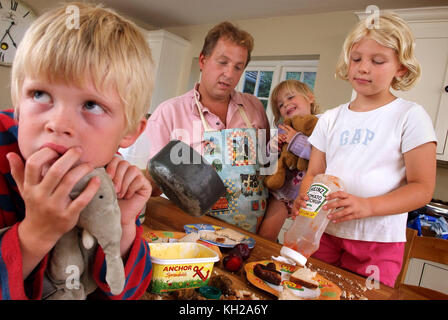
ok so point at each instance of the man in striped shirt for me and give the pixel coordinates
(77, 99)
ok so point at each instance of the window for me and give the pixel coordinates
(306, 77)
(258, 83)
(261, 77)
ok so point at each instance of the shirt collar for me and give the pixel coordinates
(235, 99)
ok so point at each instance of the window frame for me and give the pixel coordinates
(279, 68)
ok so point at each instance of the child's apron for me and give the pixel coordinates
(233, 154)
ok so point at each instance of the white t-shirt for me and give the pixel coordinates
(365, 150)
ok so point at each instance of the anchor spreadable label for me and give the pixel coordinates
(180, 266)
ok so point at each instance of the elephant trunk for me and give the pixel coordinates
(115, 275)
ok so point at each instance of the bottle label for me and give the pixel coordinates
(317, 195)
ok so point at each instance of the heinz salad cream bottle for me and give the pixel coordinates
(303, 237)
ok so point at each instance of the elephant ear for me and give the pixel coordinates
(82, 183)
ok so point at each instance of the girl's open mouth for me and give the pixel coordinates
(291, 110)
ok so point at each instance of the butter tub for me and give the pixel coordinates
(180, 265)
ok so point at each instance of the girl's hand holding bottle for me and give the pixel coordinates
(350, 207)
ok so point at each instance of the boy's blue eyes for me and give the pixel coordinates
(41, 96)
(91, 106)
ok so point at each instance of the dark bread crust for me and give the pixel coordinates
(267, 274)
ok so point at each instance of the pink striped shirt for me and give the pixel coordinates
(178, 118)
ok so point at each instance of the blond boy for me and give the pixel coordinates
(78, 94)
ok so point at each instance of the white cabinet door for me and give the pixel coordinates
(442, 122)
(432, 54)
(427, 274)
(168, 51)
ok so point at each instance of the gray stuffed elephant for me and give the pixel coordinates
(100, 224)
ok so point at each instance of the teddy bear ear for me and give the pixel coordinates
(311, 123)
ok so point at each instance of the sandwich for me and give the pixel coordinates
(305, 278)
(230, 234)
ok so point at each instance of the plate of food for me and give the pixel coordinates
(290, 282)
(219, 236)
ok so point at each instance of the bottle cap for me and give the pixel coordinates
(210, 292)
(293, 255)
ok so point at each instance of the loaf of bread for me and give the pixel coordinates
(305, 278)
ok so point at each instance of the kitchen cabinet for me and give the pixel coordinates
(169, 54)
(430, 28)
(427, 274)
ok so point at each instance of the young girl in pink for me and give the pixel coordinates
(289, 98)
(381, 146)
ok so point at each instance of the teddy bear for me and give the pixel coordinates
(99, 224)
(305, 125)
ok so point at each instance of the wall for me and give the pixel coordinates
(319, 34)
(5, 88)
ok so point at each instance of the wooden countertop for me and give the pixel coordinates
(161, 214)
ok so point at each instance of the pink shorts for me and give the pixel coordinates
(381, 261)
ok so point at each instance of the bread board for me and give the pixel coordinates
(327, 290)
